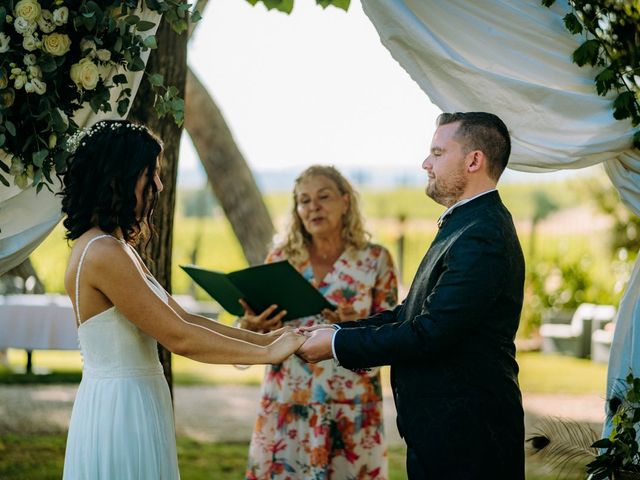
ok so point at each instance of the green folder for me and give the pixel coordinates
(261, 286)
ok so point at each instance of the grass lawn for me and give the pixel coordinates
(538, 373)
(42, 457)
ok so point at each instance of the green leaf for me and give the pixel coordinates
(156, 80)
(117, 46)
(11, 128)
(119, 79)
(143, 26)
(605, 80)
(137, 65)
(572, 23)
(150, 42)
(548, 3)
(39, 156)
(132, 19)
(602, 443)
(636, 139)
(196, 16)
(3, 138)
(587, 53)
(123, 106)
(4, 181)
(48, 64)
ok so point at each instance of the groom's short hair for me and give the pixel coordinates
(485, 132)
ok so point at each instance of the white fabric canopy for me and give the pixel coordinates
(513, 58)
(27, 218)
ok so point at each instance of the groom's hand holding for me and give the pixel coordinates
(318, 344)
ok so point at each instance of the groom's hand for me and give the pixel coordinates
(318, 345)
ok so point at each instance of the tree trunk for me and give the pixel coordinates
(231, 179)
(169, 59)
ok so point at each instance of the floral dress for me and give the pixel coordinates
(323, 421)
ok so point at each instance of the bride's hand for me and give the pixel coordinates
(275, 334)
(284, 346)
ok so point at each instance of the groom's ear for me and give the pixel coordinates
(476, 161)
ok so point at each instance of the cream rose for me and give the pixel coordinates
(60, 16)
(85, 74)
(30, 43)
(24, 26)
(90, 45)
(28, 9)
(103, 55)
(4, 42)
(56, 44)
(45, 22)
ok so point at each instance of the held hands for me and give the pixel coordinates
(284, 346)
(261, 323)
(318, 344)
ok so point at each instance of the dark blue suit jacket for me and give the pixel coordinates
(451, 348)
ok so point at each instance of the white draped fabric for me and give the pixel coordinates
(26, 218)
(513, 58)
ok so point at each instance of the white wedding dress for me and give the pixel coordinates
(122, 419)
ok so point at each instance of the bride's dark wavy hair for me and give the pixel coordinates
(99, 185)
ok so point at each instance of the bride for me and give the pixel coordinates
(122, 420)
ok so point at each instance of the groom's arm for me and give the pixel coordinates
(382, 318)
(475, 272)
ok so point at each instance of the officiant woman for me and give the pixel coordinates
(324, 421)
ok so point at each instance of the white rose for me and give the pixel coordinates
(45, 22)
(20, 80)
(24, 26)
(56, 44)
(28, 9)
(29, 59)
(103, 55)
(90, 45)
(17, 167)
(30, 43)
(85, 74)
(35, 71)
(4, 42)
(60, 15)
(39, 86)
(104, 71)
(29, 88)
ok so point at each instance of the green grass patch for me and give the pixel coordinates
(538, 373)
(559, 374)
(42, 457)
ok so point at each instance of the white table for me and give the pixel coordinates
(37, 322)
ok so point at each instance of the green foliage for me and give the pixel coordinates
(611, 29)
(286, 6)
(62, 58)
(620, 452)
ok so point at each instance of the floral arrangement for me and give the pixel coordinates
(57, 56)
(612, 30)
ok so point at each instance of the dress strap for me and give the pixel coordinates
(84, 253)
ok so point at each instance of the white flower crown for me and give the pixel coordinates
(80, 137)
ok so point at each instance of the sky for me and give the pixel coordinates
(315, 86)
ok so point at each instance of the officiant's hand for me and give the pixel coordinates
(261, 323)
(342, 314)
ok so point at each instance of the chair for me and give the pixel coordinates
(573, 337)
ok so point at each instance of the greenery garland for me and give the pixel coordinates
(612, 41)
(58, 55)
(287, 5)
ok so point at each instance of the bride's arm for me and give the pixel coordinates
(109, 269)
(232, 332)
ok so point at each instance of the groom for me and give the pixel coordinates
(450, 343)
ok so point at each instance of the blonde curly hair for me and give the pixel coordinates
(297, 240)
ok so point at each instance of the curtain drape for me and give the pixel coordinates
(513, 58)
